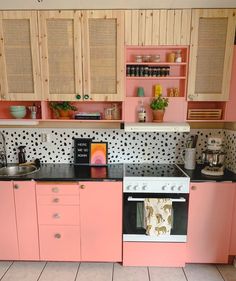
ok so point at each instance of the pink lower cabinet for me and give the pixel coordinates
(8, 232)
(232, 250)
(210, 219)
(26, 217)
(59, 221)
(101, 221)
(59, 243)
(154, 254)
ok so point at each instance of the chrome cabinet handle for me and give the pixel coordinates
(56, 216)
(57, 235)
(55, 189)
(55, 200)
(16, 186)
(82, 186)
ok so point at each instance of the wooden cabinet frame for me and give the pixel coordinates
(36, 94)
(76, 17)
(119, 16)
(211, 13)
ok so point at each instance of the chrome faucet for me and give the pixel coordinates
(3, 152)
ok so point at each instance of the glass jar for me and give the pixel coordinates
(108, 113)
(156, 58)
(146, 58)
(138, 58)
(178, 56)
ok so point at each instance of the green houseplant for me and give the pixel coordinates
(62, 109)
(158, 106)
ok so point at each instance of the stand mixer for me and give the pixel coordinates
(213, 158)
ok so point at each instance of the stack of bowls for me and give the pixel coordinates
(18, 111)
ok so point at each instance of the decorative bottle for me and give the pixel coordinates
(142, 114)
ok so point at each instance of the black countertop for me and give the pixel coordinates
(111, 172)
(197, 176)
(69, 172)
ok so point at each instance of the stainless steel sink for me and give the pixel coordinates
(15, 171)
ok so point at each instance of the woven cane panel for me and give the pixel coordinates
(18, 55)
(211, 52)
(102, 39)
(61, 56)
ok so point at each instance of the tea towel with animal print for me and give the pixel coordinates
(158, 216)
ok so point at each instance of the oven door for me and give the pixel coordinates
(134, 217)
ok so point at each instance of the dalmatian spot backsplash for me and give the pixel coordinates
(122, 147)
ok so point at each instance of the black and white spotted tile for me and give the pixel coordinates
(122, 147)
(230, 148)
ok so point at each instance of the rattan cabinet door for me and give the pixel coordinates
(19, 60)
(60, 33)
(211, 54)
(103, 67)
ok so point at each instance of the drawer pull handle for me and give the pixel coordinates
(55, 200)
(16, 186)
(56, 216)
(57, 235)
(55, 189)
(193, 187)
(82, 186)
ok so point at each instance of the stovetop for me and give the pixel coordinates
(153, 170)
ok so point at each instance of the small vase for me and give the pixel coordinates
(158, 115)
(64, 114)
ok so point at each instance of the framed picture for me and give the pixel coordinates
(82, 151)
(98, 153)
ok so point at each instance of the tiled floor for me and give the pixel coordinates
(65, 271)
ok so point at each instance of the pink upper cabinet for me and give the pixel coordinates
(101, 221)
(26, 216)
(210, 218)
(8, 233)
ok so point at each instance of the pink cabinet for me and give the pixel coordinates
(59, 221)
(26, 217)
(210, 218)
(19, 230)
(232, 250)
(8, 232)
(101, 221)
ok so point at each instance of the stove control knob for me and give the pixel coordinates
(135, 187)
(128, 187)
(163, 187)
(180, 187)
(173, 187)
(144, 187)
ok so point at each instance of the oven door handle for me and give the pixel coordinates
(130, 198)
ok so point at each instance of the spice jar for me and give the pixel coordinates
(146, 58)
(108, 113)
(156, 58)
(178, 56)
(138, 58)
(171, 57)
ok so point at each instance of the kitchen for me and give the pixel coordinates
(56, 147)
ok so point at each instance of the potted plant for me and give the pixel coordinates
(158, 105)
(62, 109)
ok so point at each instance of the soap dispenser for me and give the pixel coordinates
(21, 154)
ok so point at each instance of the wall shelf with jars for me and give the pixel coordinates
(149, 66)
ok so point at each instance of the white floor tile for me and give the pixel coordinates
(4, 265)
(228, 272)
(127, 273)
(59, 271)
(202, 272)
(24, 271)
(95, 272)
(166, 274)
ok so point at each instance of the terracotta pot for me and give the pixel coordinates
(158, 115)
(64, 114)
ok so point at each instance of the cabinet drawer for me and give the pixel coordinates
(58, 200)
(59, 243)
(58, 215)
(57, 188)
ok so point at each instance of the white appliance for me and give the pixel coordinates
(154, 181)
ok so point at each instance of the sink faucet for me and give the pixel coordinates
(3, 152)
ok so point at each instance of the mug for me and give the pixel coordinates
(188, 155)
(140, 92)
